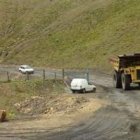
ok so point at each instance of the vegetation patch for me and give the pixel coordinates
(15, 92)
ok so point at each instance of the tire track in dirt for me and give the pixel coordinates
(108, 123)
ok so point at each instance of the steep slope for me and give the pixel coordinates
(68, 33)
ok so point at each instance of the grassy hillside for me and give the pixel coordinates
(68, 33)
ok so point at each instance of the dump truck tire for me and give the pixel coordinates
(125, 81)
(2, 115)
(117, 80)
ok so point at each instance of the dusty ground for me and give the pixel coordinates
(108, 114)
(65, 112)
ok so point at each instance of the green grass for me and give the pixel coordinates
(68, 33)
(16, 92)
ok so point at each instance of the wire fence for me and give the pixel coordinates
(11, 74)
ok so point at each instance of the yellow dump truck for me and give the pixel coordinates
(126, 70)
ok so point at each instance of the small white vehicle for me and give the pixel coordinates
(82, 85)
(26, 69)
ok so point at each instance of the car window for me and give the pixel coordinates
(85, 82)
(89, 83)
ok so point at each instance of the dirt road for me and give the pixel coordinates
(116, 117)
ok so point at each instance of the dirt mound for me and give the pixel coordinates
(49, 105)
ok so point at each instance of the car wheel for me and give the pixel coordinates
(84, 90)
(94, 90)
(73, 91)
(21, 71)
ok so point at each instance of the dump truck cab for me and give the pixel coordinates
(126, 70)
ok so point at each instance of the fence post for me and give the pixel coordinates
(27, 76)
(8, 77)
(63, 74)
(88, 75)
(44, 76)
(55, 76)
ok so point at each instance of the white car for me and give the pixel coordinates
(26, 69)
(82, 85)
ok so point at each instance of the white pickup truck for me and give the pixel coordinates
(82, 85)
